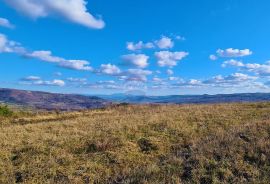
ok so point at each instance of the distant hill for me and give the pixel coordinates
(50, 101)
(65, 102)
(187, 99)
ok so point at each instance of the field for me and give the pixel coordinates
(222, 143)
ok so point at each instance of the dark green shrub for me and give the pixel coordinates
(5, 111)
(146, 145)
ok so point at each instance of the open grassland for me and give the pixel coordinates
(222, 143)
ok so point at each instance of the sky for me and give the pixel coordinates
(156, 47)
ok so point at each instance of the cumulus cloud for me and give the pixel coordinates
(137, 60)
(35, 80)
(233, 79)
(109, 69)
(173, 78)
(213, 57)
(31, 78)
(5, 23)
(80, 80)
(230, 52)
(232, 62)
(139, 46)
(136, 75)
(169, 72)
(8, 46)
(47, 56)
(71, 10)
(54, 82)
(165, 43)
(169, 59)
(258, 69)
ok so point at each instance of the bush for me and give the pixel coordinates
(5, 111)
(146, 145)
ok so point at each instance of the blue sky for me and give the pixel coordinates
(157, 47)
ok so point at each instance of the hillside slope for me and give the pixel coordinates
(224, 143)
(50, 101)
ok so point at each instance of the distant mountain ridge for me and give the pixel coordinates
(65, 102)
(50, 101)
(188, 99)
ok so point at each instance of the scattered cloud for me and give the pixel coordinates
(169, 59)
(54, 82)
(230, 80)
(139, 46)
(70, 64)
(169, 72)
(109, 69)
(180, 38)
(79, 80)
(136, 75)
(262, 70)
(8, 46)
(213, 57)
(71, 10)
(35, 80)
(165, 43)
(31, 78)
(137, 60)
(173, 78)
(5, 23)
(230, 52)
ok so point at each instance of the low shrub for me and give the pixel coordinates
(5, 111)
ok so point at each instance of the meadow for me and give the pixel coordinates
(219, 143)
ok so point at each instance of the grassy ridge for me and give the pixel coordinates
(223, 143)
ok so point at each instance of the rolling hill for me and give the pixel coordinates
(50, 101)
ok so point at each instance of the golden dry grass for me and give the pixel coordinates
(223, 143)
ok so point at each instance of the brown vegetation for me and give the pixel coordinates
(223, 143)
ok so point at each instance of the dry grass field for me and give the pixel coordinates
(222, 143)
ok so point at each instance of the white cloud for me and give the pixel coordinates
(35, 80)
(54, 82)
(259, 69)
(230, 80)
(109, 69)
(180, 38)
(7, 46)
(170, 72)
(232, 62)
(169, 59)
(70, 64)
(71, 79)
(31, 78)
(44, 56)
(157, 79)
(136, 75)
(76, 65)
(139, 46)
(165, 43)
(138, 60)
(71, 10)
(213, 57)
(5, 23)
(230, 52)
(173, 78)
